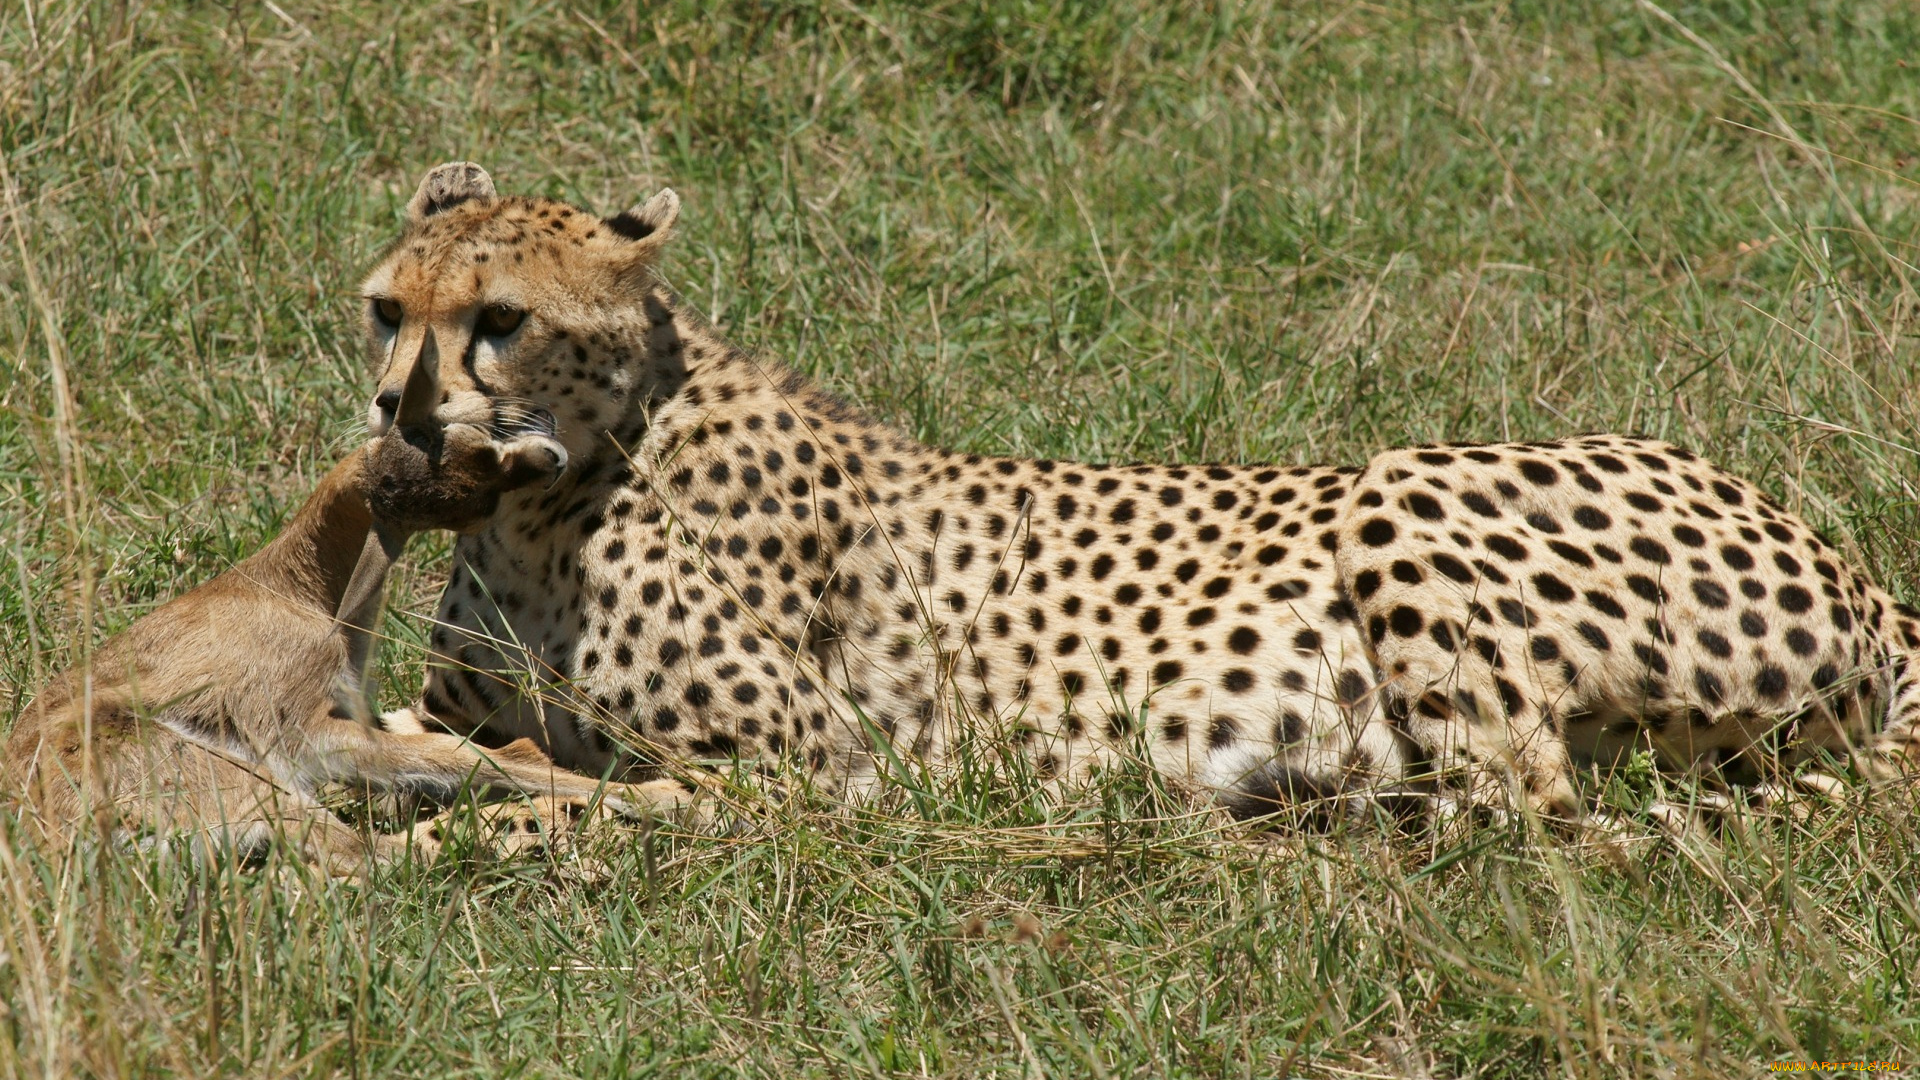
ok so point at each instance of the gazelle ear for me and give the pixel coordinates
(651, 221)
(447, 186)
(421, 395)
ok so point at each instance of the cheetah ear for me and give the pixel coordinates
(651, 221)
(446, 186)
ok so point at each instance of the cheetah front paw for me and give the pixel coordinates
(536, 826)
(689, 805)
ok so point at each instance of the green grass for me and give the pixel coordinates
(1156, 231)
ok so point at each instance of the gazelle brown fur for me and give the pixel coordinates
(219, 717)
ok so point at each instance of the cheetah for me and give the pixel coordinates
(217, 719)
(1531, 606)
(738, 567)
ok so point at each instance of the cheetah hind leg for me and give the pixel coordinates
(1491, 753)
(1713, 813)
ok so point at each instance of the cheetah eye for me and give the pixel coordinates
(499, 320)
(387, 311)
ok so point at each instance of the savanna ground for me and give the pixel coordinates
(1194, 231)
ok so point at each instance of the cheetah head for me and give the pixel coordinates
(532, 302)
